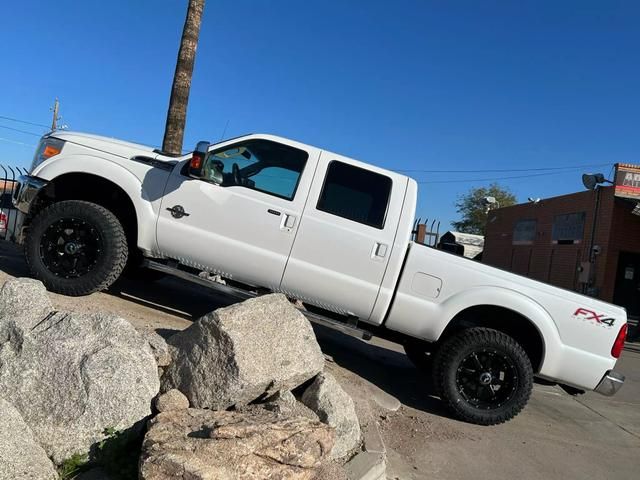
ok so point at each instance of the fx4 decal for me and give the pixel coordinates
(585, 314)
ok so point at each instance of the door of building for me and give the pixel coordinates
(627, 289)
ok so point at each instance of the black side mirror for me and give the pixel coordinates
(196, 164)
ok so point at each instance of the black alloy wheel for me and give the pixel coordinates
(70, 247)
(487, 379)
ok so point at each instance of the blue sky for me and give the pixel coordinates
(412, 85)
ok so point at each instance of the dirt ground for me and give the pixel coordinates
(557, 436)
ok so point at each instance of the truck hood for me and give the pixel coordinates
(113, 146)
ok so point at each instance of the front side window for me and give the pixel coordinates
(260, 165)
(355, 194)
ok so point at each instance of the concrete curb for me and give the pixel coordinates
(370, 464)
(367, 466)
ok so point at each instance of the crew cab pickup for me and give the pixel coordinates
(269, 214)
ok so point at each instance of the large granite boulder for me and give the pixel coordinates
(244, 352)
(20, 455)
(334, 407)
(205, 445)
(71, 376)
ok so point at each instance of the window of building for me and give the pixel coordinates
(355, 194)
(524, 232)
(568, 229)
(261, 165)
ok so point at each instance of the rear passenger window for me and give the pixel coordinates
(355, 194)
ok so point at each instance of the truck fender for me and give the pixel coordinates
(511, 300)
(115, 173)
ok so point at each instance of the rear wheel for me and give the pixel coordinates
(76, 247)
(483, 375)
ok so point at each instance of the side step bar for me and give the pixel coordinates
(346, 328)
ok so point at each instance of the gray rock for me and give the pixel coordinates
(158, 345)
(335, 407)
(20, 455)
(204, 445)
(244, 352)
(25, 302)
(171, 400)
(283, 401)
(283, 404)
(72, 375)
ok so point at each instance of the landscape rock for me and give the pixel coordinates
(72, 375)
(257, 445)
(171, 400)
(25, 302)
(238, 354)
(158, 345)
(335, 407)
(20, 455)
(281, 402)
(284, 404)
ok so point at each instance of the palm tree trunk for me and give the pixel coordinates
(177, 113)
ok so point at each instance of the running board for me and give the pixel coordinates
(349, 328)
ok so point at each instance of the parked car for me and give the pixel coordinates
(271, 214)
(8, 215)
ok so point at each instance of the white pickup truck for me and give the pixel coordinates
(271, 214)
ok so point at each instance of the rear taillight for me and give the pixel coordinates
(3, 220)
(618, 345)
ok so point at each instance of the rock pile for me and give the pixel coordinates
(242, 353)
(243, 396)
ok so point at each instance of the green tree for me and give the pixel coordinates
(473, 210)
(177, 113)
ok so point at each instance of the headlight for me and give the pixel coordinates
(48, 147)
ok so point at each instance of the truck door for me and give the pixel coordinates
(346, 235)
(241, 218)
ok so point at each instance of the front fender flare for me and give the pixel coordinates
(115, 173)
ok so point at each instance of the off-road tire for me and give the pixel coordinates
(110, 259)
(447, 364)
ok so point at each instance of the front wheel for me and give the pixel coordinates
(76, 247)
(483, 375)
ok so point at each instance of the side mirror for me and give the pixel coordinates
(196, 164)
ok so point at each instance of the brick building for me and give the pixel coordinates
(552, 241)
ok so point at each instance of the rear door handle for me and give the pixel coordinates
(380, 250)
(274, 212)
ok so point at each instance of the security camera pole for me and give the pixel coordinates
(592, 181)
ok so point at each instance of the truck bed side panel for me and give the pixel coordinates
(435, 286)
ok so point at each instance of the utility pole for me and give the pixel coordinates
(54, 122)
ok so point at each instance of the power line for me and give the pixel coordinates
(23, 121)
(506, 170)
(494, 178)
(16, 142)
(21, 131)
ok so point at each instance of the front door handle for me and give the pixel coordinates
(289, 221)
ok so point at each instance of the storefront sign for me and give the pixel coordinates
(627, 181)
